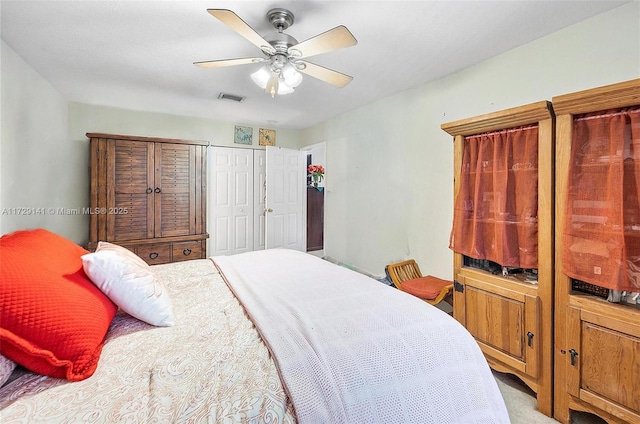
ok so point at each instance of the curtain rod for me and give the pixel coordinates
(508, 130)
(622, 112)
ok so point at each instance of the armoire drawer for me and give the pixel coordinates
(155, 254)
(187, 250)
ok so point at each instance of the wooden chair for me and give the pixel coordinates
(406, 276)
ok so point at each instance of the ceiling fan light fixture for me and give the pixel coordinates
(261, 76)
(284, 88)
(277, 81)
(291, 76)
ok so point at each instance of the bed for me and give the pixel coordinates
(275, 336)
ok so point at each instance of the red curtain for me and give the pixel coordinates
(496, 208)
(602, 222)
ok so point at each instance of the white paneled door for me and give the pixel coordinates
(231, 204)
(286, 204)
(257, 200)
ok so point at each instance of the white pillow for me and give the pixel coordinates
(130, 283)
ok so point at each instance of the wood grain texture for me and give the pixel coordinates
(150, 195)
(315, 219)
(500, 312)
(604, 378)
(596, 99)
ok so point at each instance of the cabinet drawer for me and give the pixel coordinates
(155, 254)
(187, 250)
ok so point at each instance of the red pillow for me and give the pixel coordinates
(428, 287)
(53, 320)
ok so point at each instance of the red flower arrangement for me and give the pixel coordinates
(316, 172)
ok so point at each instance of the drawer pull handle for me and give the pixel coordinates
(153, 255)
(530, 339)
(186, 252)
(149, 190)
(157, 190)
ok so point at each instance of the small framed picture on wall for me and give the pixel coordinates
(243, 135)
(267, 137)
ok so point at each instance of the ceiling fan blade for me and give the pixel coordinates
(236, 23)
(334, 39)
(228, 62)
(325, 74)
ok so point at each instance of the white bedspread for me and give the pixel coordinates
(352, 350)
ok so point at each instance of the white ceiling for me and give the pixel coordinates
(139, 54)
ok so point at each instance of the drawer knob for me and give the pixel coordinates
(186, 252)
(149, 190)
(153, 255)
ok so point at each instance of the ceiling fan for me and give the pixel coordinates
(284, 57)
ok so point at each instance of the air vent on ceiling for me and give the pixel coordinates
(226, 96)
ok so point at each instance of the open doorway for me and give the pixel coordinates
(315, 200)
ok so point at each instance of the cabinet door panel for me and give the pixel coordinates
(609, 365)
(496, 320)
(128, 186)
(175, 212)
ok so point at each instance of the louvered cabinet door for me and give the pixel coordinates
(130, 190)
(178, 177)
(148, 194)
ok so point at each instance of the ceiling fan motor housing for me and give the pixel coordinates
(280, 18)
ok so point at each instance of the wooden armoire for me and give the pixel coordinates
(510, 317)
(597, 343)
(149, 195)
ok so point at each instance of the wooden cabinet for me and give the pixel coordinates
(315, 219)
(149, 195)
(511, 318)
(597, 343)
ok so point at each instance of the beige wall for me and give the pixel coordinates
(84, 118)
(389, 184)
(389, 166)
(44, 151)
(41, 168)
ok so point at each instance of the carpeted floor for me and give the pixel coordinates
(521, 404)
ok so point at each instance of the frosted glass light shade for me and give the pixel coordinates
(283, 88)
(291, 76)
(279, 83)
(261, 76)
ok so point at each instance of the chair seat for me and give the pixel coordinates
(428, 287)
(406, 276)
